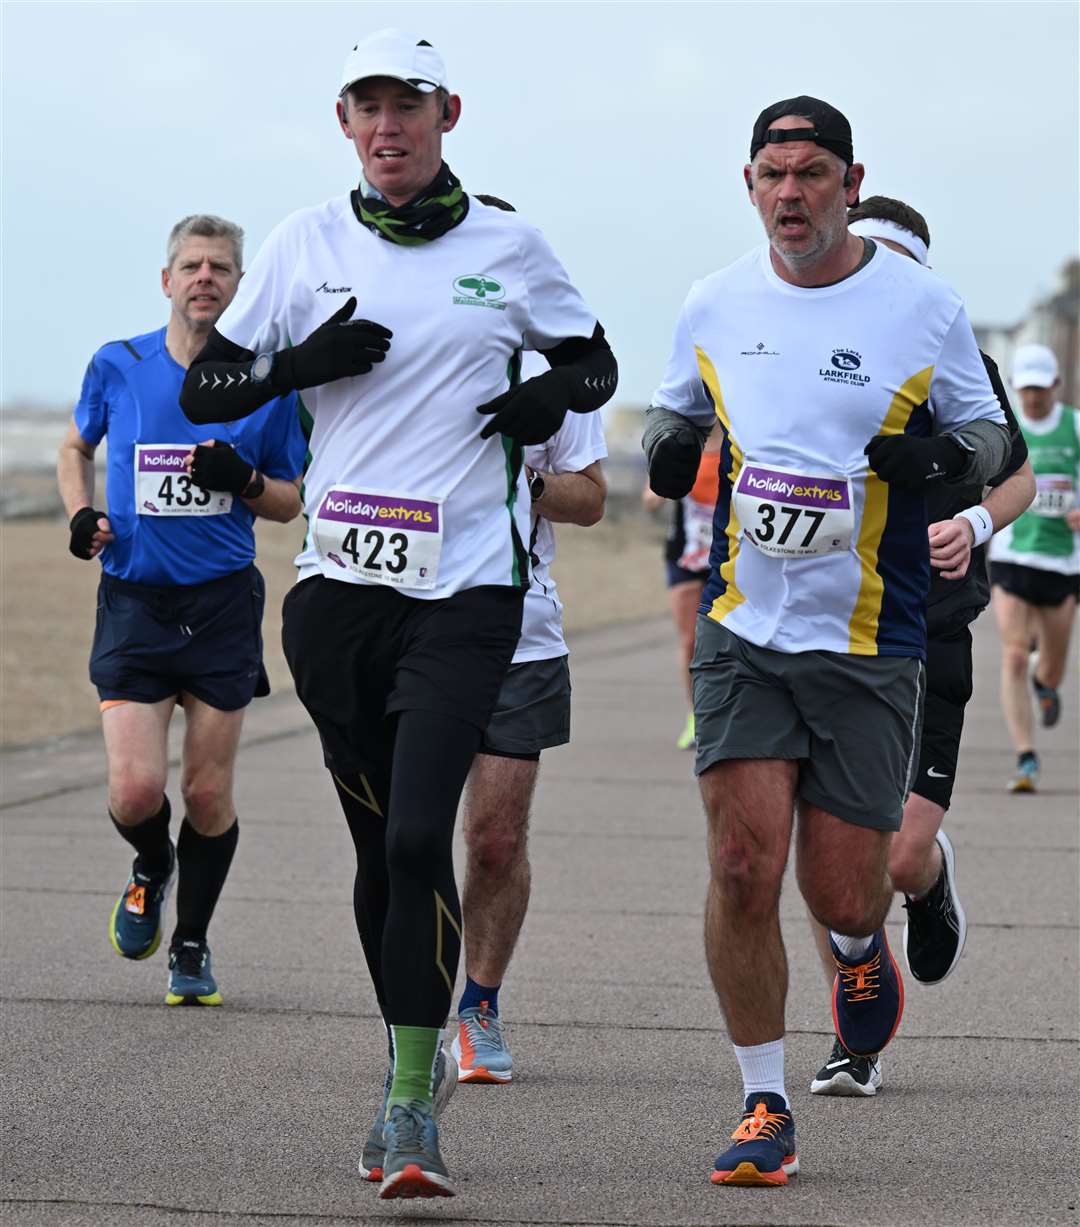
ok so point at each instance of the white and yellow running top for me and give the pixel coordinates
(812, 551)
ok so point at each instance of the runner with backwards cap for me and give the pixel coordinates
(922, 861)
(409, 602)
(845, 382)
(1035, 564)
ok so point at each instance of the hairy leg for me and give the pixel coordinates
(497, 873)
(914, 856)
(1016, 625)
(841, 870)
(749, 804)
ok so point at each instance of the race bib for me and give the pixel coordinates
(794, 515)
(163, 488)
(382, 538)
(1055, 495)
(697, 527)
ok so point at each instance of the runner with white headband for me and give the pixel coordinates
(921, 859)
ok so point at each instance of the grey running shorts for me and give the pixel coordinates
(532, 712)
(851, 722)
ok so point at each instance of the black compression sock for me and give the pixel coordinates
(150, 839)
(204, 862)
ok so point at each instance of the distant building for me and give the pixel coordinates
(1055, 321)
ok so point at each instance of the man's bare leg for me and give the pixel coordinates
(1016, 625)
(1055, 624)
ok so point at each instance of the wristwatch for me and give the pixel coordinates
(536, 487)
(255, 487)
(261, 368)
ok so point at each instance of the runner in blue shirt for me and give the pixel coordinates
(180, 603)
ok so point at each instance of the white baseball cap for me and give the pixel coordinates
(397, 54)
(1034, 366)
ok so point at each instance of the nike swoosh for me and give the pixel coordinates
(837, 1064)
(937, 775)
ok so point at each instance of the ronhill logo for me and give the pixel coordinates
(332, 289)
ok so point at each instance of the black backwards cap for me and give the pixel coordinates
(831, 130)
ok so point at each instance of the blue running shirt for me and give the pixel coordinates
(173, 532)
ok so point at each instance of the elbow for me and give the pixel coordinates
(593, 512)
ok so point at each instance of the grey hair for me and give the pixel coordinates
(205, 226)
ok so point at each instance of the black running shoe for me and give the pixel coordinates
(1049, 703)
(936, 927)
(846, 1074)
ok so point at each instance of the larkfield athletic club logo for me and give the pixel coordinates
(479, 290)
(844, 368)
(759, 351)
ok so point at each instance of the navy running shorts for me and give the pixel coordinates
(201, 639)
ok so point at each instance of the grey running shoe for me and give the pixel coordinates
(936, 927)
(413, 1166)
(374, 1152)
(846, 1074)
(1049, 703)
(480, 1047)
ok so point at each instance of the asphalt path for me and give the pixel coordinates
(119, 1111)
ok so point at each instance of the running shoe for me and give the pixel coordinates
(868, 997)
(374, 1152)
(413, 1166)
(480, 1047)
(764, 1150)
(936, 927)
(191, 982)
(1026, 778)
(687, 739)
(135, 923)
(1049, 703)
(846, 1074)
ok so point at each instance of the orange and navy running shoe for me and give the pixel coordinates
(135, 922)
(868, 997)
(480, 1047)
(764, 1145)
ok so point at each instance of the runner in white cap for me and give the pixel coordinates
(1035, 563)
(413, 574)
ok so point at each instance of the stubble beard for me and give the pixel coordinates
(830, 231)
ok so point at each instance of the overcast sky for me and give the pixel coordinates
(620, 129)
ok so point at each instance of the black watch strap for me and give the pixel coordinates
(255, 487)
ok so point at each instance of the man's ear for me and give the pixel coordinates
(343, 120)
(451, 113)
(166, 288)
(748, 178)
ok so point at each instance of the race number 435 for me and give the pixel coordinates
(163, 487)
(794, 515)
(383, 538)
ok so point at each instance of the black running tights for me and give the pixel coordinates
(401, 813)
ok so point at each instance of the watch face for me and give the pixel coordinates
(260, 368)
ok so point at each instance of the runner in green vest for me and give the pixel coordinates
(1035, 563)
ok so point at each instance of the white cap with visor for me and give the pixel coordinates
(1034, 366)
(399, 55)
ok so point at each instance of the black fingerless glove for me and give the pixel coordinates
(335, 350)
(84, 523)
(532, 412)
(222, 468)
(910, 462)
(673, 463)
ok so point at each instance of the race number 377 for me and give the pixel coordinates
(163, 487)
(383, 538)
(794, 515)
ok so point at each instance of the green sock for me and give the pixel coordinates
(415, 1049)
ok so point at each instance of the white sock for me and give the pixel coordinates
(852, 947)
(762, 1068)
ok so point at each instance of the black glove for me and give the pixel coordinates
(84, 523)
(335, 350)
(910, 462)
(530, 413)
(221, 467)
(673, 463)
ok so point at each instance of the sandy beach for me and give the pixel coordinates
(607, 574)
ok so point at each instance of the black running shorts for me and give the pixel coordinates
(532, 712)
(1032, 584)
(948, 689)
(151, 643)
(362, 652)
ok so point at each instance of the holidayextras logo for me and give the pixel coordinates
(479, 290)
(383, 510)
(165, 459)
(781, 487)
